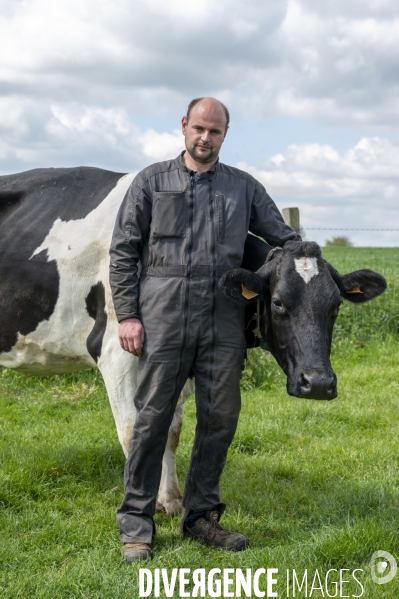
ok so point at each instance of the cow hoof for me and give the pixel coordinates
(171, 507)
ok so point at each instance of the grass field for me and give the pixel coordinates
(379, 317)
(313, 484)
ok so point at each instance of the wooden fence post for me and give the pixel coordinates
(291, 218)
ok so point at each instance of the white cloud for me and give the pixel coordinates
(161, 146)
(64, 134)
(334, 61)
(33, 134)
(358, 189)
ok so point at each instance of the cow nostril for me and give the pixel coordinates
(304, 383)
(332, 389)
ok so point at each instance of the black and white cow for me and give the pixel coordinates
(56, 310)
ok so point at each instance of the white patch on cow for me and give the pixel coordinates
(306, 268)
(81, 249)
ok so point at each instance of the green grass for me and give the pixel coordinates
(378, 318)
(313, 484)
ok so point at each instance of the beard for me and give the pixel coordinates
(201, 155)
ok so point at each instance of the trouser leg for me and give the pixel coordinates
(217, 369)
(158, 389)
(218, 403)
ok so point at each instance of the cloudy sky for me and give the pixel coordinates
(313, 90)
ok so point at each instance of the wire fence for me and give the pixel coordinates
(343, 229)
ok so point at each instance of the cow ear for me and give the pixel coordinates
(362, 285)
(240, 283)
(359, 286)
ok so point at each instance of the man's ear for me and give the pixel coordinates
(184, 125)
(359, 286)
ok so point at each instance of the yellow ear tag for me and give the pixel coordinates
(247, 293)
(355, 290)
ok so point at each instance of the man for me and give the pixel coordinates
(185, 221)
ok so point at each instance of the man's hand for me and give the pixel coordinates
(131, 336)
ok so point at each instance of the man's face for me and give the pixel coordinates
(205, 131)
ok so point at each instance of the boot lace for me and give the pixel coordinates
(215, 528)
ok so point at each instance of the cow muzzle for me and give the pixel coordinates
(313, 384)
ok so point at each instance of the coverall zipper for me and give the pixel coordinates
(212, 328)
(213, 254)
(189, 252)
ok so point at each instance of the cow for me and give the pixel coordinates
(299, 299)
(57, 314)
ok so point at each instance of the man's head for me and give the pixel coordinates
(204, 128)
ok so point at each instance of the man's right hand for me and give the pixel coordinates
(131, 336)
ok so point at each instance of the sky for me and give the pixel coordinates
(312, 88)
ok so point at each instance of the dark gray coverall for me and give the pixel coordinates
(185, 229)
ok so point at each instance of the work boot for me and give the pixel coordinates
(136, 551)
(206, 528)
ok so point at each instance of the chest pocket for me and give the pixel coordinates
(168, 214)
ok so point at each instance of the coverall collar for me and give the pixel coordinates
(211, 171)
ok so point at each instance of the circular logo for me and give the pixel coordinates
(383, 567)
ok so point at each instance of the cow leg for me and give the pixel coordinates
(119, 371)
(169, 496)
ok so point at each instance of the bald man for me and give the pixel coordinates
(186, 221)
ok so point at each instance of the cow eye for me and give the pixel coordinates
(277, 304)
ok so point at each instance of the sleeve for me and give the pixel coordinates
(130, 232)
(266, 220)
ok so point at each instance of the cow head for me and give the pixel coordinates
(300, 295)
